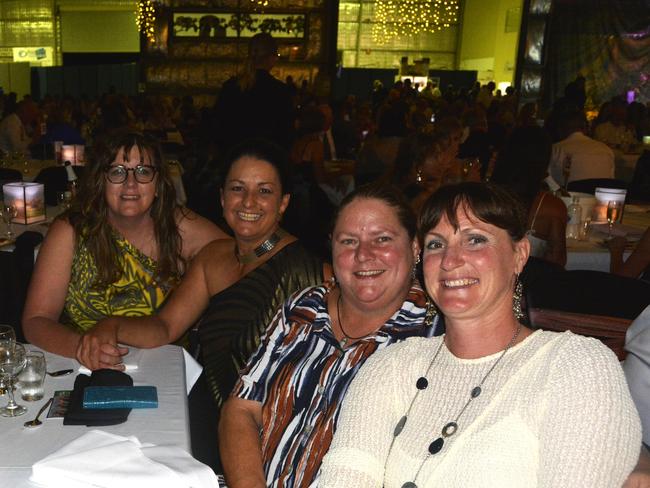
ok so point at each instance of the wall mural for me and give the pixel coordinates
(228, 25)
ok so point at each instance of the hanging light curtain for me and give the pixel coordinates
(398, 18)
(145, 18)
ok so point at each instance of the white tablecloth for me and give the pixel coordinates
(588, 255)
(168, 424)
(592, 255)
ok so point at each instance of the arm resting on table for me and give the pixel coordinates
(183, 308)
(239, 443)
(47, 292)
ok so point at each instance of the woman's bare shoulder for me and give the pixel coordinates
(218, 249)
(197, 231)
(60, 229)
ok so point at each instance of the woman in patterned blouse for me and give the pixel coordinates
(119, 249)
(280, 419)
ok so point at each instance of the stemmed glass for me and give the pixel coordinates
(12, 362)
(7, 333)
(9, 213)
(613, 213)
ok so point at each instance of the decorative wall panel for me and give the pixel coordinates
(207, 42)
(358, 49)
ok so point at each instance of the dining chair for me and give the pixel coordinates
(55, 180)
(587, 292)
(590, 185)
(8, 175)
(640, 186)
(609, 330)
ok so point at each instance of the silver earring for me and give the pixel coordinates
(414, 270)
(517, 298)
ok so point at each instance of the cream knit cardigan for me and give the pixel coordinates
(555, 412)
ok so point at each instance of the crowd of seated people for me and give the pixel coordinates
(261, 301)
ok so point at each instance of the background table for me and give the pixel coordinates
(591, 255)
(168, 424)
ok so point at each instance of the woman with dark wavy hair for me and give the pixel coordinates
(119, 250)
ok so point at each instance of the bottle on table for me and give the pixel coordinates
(72, 180)
(574, 219)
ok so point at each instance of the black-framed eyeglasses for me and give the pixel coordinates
(143, 173)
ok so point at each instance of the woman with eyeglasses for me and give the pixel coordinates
(119, 250)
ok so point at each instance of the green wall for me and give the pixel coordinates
(485, 44)
(99, 32)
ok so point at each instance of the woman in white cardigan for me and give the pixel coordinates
(491, 403)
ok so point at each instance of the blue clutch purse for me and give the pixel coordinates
(101, 397)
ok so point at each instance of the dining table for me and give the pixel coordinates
(167, 425)
(592, 253)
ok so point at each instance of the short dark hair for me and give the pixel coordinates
(264, 150)
(489, 203)
(391, 196)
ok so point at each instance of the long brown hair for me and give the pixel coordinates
(88, 214)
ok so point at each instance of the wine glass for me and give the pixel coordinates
(9, 213)
(613, 213)
(64, 199)
(12, 361)
(7, 333)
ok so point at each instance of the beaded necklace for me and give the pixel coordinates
(450, 427)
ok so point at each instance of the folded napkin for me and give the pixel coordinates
(131, 361)
(78, 415)
(192, 371)
(104, 460)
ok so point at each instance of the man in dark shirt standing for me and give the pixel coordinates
(254, 103)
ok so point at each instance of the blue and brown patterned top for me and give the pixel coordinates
(136, 293)
(300, 375)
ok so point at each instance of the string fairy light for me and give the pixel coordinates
(145, 18)
(398, 18)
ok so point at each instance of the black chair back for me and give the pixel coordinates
(17, 267)
(55, 180)
(590, 185)
(587, 292)
(640, 185)
(9, 176)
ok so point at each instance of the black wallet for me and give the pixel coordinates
(77, 415)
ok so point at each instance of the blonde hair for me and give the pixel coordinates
(260, 47)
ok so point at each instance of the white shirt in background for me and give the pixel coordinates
(589, 158)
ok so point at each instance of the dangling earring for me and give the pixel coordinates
(418, 176)
(517, 298)
(431, 312)
(414, 269)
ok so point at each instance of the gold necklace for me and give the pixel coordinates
(346, 337)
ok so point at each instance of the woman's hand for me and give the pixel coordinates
(98, 347)
(640, 477)
(617, 244)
